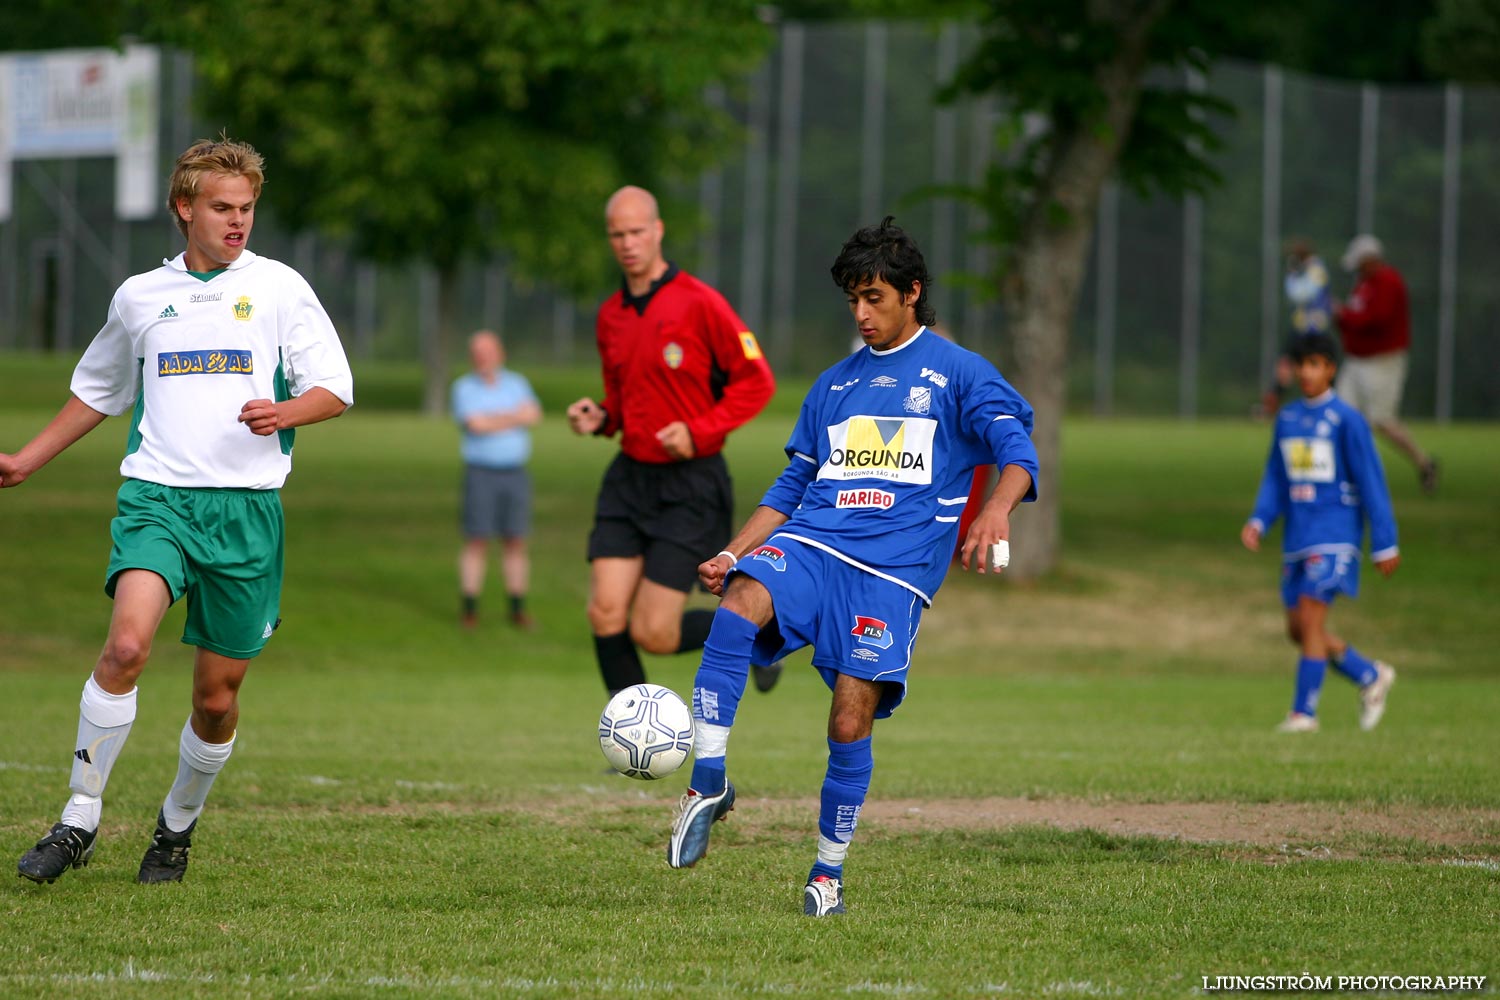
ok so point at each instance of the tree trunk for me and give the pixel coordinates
(436, 361)
(1040, 289)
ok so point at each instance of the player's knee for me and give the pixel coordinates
(654, 638)
(607, 618)
(215, 706)
(125, 653)
(847, 727)
(1294, 630)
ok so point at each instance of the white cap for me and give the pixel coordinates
(1360, 248)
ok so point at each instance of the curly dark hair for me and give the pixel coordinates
(886, 253)
(1311, 344)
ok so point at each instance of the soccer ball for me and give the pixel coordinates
(646, 732)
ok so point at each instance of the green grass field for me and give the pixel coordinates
(1083, 794)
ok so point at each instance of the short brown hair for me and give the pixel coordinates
(212, 156)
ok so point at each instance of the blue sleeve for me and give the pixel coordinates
(1000, 416)
(785, 494)
(1374, 496)
(1270, 502)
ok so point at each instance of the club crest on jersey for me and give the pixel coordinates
(865, 499)
(871, 632)
(771, 554)
(243, 308)
(672, 355)
(204, 363)
(919, 400)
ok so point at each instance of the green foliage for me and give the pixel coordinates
(455, 129)
(1043, 59)
(1463, 40)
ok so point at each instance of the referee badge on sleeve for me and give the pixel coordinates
(750, 345)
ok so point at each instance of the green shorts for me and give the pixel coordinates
(220, 547)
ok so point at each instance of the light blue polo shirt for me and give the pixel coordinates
(472, 395)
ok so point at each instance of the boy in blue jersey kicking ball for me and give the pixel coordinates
(848, 546)
(1324, 477)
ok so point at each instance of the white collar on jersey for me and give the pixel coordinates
(179, 263)
(913, 340)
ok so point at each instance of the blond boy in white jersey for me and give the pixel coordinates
(218, 354)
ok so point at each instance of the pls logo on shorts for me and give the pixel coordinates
(871, 632)
(772, 555)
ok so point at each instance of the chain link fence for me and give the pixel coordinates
(1182, 314)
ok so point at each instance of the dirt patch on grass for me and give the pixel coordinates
(1262, 824)
(1294, 827)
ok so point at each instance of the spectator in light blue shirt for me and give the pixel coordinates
(494, 408)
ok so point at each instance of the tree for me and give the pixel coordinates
(1077, 108)
(450, 130)
(1091, 89)
(1463, 40)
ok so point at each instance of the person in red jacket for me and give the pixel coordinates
(1375, 322)
(681, 371)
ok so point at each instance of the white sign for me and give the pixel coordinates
(84, 102)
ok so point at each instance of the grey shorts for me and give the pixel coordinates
(1373, 385)
(497, 502)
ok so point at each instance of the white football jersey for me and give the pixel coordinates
(187, 354)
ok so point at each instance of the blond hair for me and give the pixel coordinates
(212, 156)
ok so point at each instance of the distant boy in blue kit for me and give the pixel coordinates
(1324, 476)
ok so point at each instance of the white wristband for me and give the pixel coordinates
(734, 560)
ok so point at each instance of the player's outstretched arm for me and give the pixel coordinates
(266, 417)
(756, 530)
(993, 523)
(73, 421)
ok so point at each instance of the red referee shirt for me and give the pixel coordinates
(1377, 317)
(678, 353)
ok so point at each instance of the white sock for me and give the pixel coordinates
(104, 721)
(198, 764)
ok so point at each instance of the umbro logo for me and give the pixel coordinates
(884, 381)
(82, 755)
(167, 313)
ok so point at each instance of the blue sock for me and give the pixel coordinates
(716, 695)
(1355, 667)
(1309, 683)
(844, 789)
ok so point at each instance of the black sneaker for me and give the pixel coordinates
(766, 677)
(166, 859)
(64, 847)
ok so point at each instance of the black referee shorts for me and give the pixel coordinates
(675, 514)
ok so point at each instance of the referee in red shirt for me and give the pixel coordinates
(680, 372)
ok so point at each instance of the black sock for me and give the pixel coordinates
(517, 603)
(695, 626)
(619, 662)
(470, 604)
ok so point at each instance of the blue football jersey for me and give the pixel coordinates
(1324, 476)
(883, 455)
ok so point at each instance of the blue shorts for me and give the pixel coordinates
(1321, 577)
(857, 623)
